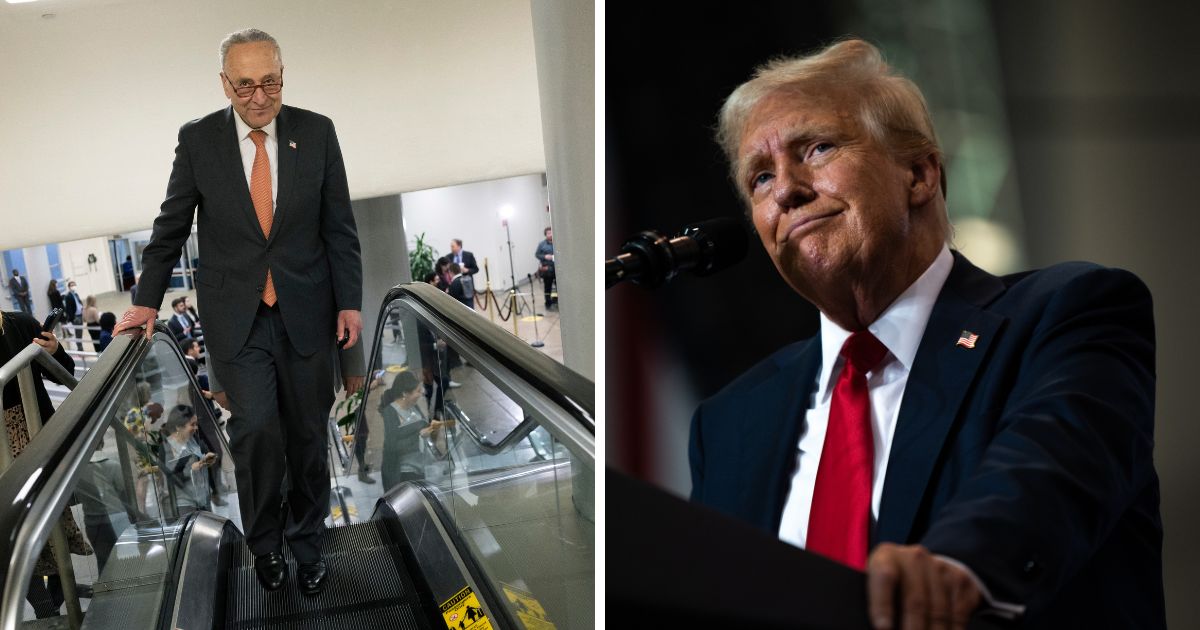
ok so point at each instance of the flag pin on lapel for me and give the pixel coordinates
(292, 143)
(967, 339)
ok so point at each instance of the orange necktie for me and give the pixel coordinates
(260, 194)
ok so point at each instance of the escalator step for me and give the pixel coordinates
(400, 617)
(367, 582)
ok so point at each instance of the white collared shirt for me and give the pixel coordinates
(900, 329)
(247, 149)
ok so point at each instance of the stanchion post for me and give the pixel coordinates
(512, 313)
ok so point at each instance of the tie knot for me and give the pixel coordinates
(863, 351)
(258, 136)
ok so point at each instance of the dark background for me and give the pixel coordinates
(1101, 112)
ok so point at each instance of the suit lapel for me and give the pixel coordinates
(771, 429)
(230, 155)
(941, 375)
(286, 168)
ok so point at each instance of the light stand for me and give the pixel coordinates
(537, 341)
(512, 274)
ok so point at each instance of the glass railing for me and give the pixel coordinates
(116, 465)
(502, 436)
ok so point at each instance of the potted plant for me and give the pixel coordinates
(420, 258)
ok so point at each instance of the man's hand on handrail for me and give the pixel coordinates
(136, 316)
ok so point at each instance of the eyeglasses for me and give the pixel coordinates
(270, 86)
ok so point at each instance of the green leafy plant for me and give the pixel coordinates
(420, 258)
(351, 404)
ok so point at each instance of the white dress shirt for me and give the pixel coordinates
(900, 329)
(247, 149)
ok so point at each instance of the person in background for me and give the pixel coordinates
(18, 286)
(91, 319)
(404, 426)
(56, 302)
(442, 268)
(127, 277)
(184, 461)
(73, 307)
(458, 285)
(545, 257)
(133, 289)
(180, 323)
(466, 260)
(17, 331)
(108, 322)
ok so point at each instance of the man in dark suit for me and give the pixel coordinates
(969, 440)
(180, 323)
(465, 260)
(280, 281)
(458, 283)
(73, 310)
(19, 287)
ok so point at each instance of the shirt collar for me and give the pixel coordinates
(900, 326)
(244, 130)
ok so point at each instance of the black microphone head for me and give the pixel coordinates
(723, 243)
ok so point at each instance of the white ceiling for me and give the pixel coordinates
(424, 93)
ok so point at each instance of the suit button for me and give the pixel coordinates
(259, 288)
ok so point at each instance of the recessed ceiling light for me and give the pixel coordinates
(19, 1)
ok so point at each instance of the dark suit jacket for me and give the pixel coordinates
(312, 250)
(177, 329)
(470, 267)
(458, 292)
(1028, 457)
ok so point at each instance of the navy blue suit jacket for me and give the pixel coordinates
(1028, 457)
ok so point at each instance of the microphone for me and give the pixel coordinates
(650, 259)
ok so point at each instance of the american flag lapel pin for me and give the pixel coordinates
(292, 143)
(967, 339)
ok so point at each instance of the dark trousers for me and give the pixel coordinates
(45, 597)
(547, 283)
(279, 401)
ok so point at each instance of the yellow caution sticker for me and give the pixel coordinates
(527, 608)
(463, 612)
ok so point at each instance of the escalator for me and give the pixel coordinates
(485, 520)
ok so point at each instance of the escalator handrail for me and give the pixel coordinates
(573, 392)
(34, 486)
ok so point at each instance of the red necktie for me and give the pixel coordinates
(840, 519)
(260, 194)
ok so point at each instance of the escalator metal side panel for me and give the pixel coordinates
(199, 597)
(443, 558)
(550, 408)
(78, 426)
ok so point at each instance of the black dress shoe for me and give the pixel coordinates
(312, 577)
(271, 570)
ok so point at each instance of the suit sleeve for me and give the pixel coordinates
(1073, 451)
(171, 229)
(338, 229)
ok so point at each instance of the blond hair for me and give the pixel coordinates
(891, 107)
